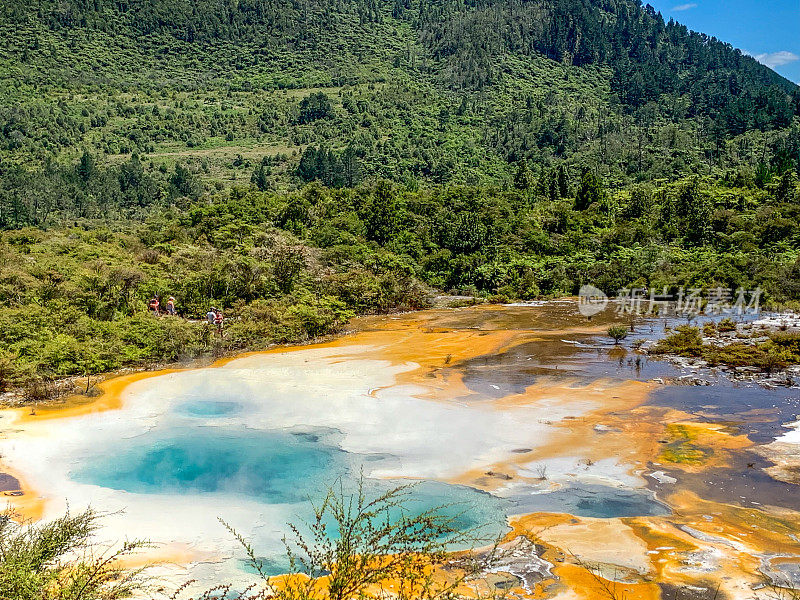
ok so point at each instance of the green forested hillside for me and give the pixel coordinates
(295, 162)
(416, 91)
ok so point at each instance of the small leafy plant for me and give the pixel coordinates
(617, 333)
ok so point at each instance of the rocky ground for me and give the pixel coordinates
(697, 371)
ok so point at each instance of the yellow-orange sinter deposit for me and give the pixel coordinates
(700, 545)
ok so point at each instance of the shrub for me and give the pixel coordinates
(617, 333)
(59, 560)
(355, 545)
(735, 355)
(787, 341)
(498, 299)
(774, 358)
(317, 317)
(685, 341)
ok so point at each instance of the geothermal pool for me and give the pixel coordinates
(514, 418)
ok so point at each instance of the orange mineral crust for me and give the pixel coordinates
(560, 417)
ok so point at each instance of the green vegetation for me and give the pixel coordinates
(288, 266)
(59, 559)
(779, 351)
(76, 297)
(412, 91)
(353, 544)
(726, 325)
(295, 165)
(617, 333)
(356, 547)
(684, 341)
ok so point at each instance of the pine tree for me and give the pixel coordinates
(351, 167)
(786, 191)
(307, 169)
(695, 210)
(590, 191)
(87, 166)
(563, 182)
(259, 177)
(523, 179)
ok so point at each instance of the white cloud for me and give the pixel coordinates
(777, 59)
(681, 7)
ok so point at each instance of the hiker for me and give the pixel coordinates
(153, 305)
(171, 306)
(211, 315)
(218, 319)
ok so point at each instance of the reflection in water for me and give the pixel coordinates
(759, 412)
(596, 501)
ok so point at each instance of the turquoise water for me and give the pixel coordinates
(210, 408)
(203, 454)
(209, 448)
(272, 466)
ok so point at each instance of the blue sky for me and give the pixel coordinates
(769, 29)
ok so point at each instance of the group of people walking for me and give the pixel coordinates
(214, 315)
(155, 306)
(215, 318)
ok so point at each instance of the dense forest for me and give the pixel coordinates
(415, 91)
(295, 162)
(291, 266)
